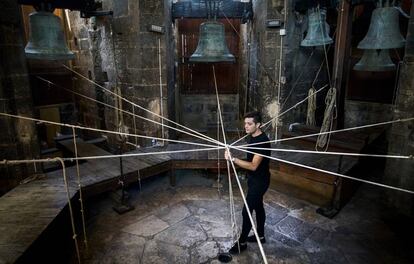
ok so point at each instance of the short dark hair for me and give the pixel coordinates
(256, 115)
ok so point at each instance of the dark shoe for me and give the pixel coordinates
(234, 250)
(254, 240)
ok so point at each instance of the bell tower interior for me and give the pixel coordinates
(124, 135)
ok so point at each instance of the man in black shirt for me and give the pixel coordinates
(258, 180)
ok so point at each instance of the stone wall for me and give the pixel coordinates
(18, 138)
(244, 61)
(401, 137)
(264, 52)
(259, 81)
(200, 111)
(81, 43)
(299, 64)
(120, 51)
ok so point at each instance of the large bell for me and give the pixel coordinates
(46, 39)
(212, 46)
(375, 60)
(384, 30)
(318, 29)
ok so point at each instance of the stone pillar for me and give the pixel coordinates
(119, 50)
(84, 40)
(298, 68)
(401, 137)
(264, 61)
(18, 138)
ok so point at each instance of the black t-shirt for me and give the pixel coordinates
(260, 178)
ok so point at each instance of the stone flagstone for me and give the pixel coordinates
(174, 214)
(185, 233)
(148, 226)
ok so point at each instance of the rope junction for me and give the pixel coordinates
(238, 183)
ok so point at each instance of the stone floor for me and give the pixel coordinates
(190, 223)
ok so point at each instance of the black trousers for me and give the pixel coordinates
(254, 200)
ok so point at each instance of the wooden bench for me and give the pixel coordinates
(317, 187)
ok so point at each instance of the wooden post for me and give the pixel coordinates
(341, 61)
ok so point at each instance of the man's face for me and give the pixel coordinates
(250, 126)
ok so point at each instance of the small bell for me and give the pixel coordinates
(46, 38)
(212, 46)
(318, 29)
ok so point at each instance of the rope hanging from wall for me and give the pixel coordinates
(310, 114)
(329, 115)
(330, 109)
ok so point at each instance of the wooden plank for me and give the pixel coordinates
(308, 174)
(84, 149)
(134, 165)
(303, 188)
(309, 143)
(155, 170)
(342, 53)
(111, 183)
(198, 164)
(26, 211)
(313, 174)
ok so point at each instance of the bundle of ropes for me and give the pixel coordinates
(310, 116)
(329, 115)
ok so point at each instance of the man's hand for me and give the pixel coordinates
(227, 155)
(248, 165)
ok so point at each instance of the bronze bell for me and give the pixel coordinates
(46, 38)
(384, 30)
(318, 29)
(212, 46)
(375, 60)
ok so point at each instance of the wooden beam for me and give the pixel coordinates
(341, 61)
